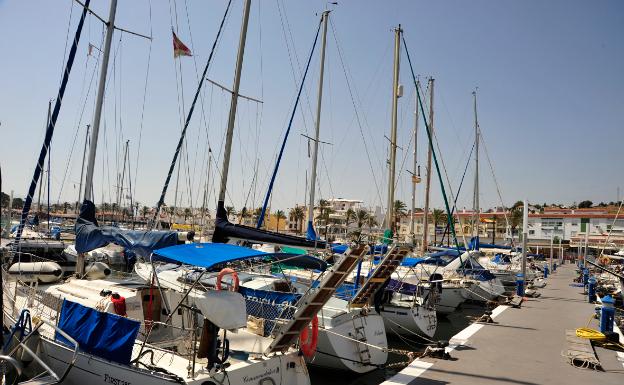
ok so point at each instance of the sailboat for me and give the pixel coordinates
(116, 330)
(344, 334)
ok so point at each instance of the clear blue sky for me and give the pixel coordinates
(550, 78)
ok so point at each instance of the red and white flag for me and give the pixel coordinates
(179, 49)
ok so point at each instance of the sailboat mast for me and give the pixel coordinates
(428, 184)
(234, 104)
(393, 128)
(110, 28)
(319, 103)
(476, 209)
(415, 176)
(84, 155)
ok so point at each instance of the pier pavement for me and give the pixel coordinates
(525, 346)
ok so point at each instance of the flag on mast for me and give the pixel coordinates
(179, 49)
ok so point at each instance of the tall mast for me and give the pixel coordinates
(415, 173)
(475, 203)
(123, 177)
(84, 155)
(110, 27)
(393, 128)
(428, 184)
(42, 181)
(319, 103)
(234, 104)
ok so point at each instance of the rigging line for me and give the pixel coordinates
(358, 99)
(79, 123)
(406, 152)
(49, 132)
(604, 245)
(435, 158)
(487, 155)
(149, 60)
(292, 116)
(71, 12)
(295, 70)
(458, 191)
(188, 118)
(357, 115)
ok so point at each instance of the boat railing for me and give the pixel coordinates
(22, 345)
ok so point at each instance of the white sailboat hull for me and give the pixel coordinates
(337, 349)
(485, 291)
(406, 320)
(284, 370)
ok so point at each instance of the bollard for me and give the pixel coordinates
(520, 285)
(591, 290)
(545, 271)
(585, 277)
(607, 314)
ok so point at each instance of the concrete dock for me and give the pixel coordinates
(525, 346)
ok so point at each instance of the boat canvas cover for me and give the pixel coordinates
(211, 255)
(102, 334)
(224, 230)
(90, 236)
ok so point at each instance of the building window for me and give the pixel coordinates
(531, 232)
(552, 222)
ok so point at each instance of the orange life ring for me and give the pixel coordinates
(225, 271)
(308, 344)
(604, 260)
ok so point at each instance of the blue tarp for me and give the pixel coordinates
(310, 233)
(474, 240)
(209, 255)
(104, 335)
(89, 236)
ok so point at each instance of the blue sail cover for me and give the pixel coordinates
(475, 244)
(104, 335)
(89, 236)
(310, 233)
(209, 255)
(226, 231)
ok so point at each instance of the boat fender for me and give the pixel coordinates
(45, 272)
(308, 343)
(225, 271)
(119, 304)
(97, 270)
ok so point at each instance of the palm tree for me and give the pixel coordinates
(144, 211)
(438, 217)
(349, 217)
(230, 211)
(299, 215)
(279, 214)
(325, 214)
(371, 222)
(187, 213)
(516, 218)
(400, 210)
(363, 217)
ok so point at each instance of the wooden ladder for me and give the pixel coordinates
(382, 272)
(315, 299)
